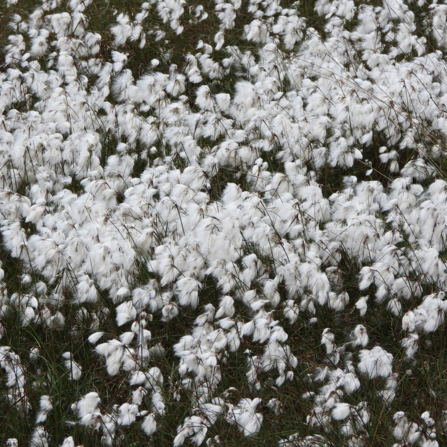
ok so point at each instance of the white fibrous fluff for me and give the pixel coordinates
(375, 362)
(197, 200)
(245, 417)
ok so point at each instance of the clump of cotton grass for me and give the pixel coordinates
(412, 432)
(109, 423)
(375, 362)
(87, 406)
(45, 406)
(11, 364)
(74, 369)
(40, 437)
(244, 416)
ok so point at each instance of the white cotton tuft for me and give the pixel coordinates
(408, 321)
(338, 302)
(375, 362)
(291, 311)
(411, 344)
(127, 337)
(341, 411)
(149, 425)
(362, 305)
(219, 40)
(45, 406)
(360, 336)
(328, 340)
(223, 100)
(95, 337)
(169, 312)
(394, 306)
(39, 437)
(226, 307)
(204, 99)
(125, 313)
(88, 404)
(74, 369)
(138, 395)
(245, 417)
(119, 60)
(128, 413)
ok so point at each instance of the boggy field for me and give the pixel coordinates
(223, 223)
